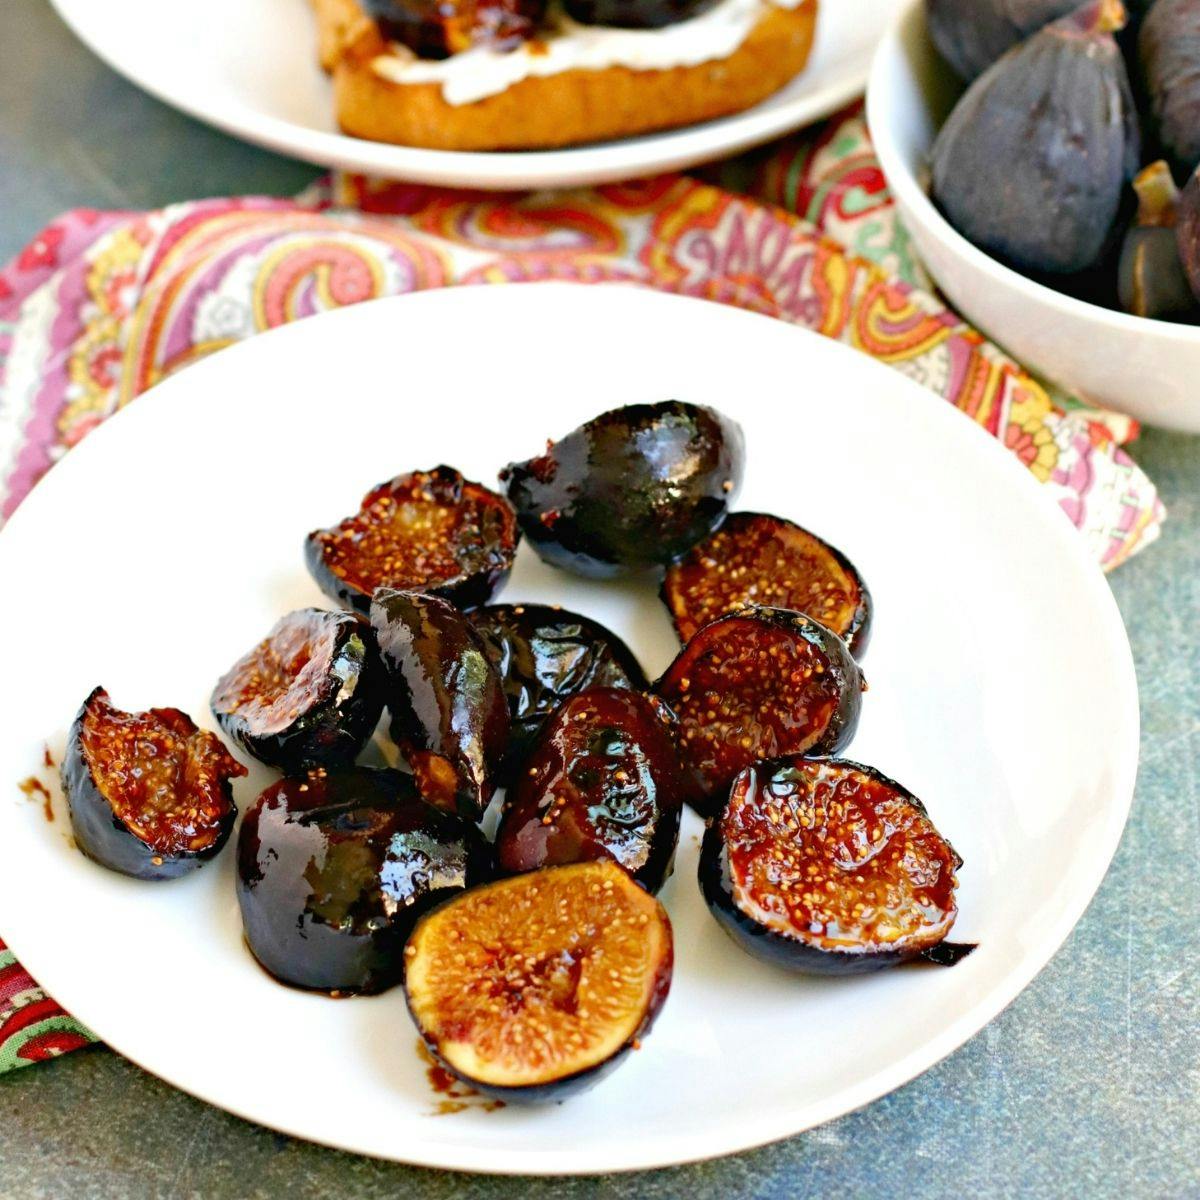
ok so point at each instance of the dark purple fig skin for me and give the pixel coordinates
(1187, 231)
(439, 28)
(1169, 55)
(544, 656)
(449, 715)
(636, 14)
(972, 34)
(1151, 279)
(330, 707)
(335, 868)
(630, 490)
(603, 781)
(1032, 164)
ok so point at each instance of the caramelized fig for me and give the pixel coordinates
(545, 655)
(308, 695)
(971, 34)
(758, 559)
(1151, 278)
(335, 867)
(1169, 50)
(449, 715)
(149, 793)
(827, 867)
(633, 488)
(1187, 231)
(756, 684)
(603, 781)
(636, 14)
(440, 28)
(1032, 164)
(428, 531)
(534, 988)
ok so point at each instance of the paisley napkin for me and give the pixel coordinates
(102, 305)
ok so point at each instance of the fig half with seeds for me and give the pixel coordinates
(632, 489)
(449, 716)
(756, 684)
(1032, 164)
(1151, 278)
(440, 28)
(427, 531)
(827, 867)
(759, 559)
(149, 793)
(971, 34)
(1169, 50)
(603, 781)
(310, 694)
(534, 988)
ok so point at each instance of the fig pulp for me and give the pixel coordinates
(533, 988)
(828, 867)
(1151, 278)
(545, 655)
(633, 488)
(428, 531)
(335, 867)
(971, 34)
(756, 684)
(440, 28)
(1187, 231)
(309, 695)
(1032, 163)
(449, 716)
(757, 559)
(603, 781)
(149, 793)
(636, 14)
(1169, 50)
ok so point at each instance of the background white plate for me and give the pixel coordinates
(249, 67)
(1002, 692)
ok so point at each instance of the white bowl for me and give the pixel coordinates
(1149, 369)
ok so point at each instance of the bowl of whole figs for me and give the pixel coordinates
(1043, 156)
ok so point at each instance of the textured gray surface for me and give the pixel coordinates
(1088, 1085)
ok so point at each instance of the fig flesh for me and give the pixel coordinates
(633, 488)
(310, 694)
(636, 14)
(754, 558)
(428, 531)
(335, 867)
(827, 867)
(972, 34)
(149, 793)
(603, 781)
(533, 988)
(1031, 165)
(1151, 278)
(449, 716)
(440, 28)
(1169, 52)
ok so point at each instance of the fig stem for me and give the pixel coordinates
(1111, 16)
(1157, 195)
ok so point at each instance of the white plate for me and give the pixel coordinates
(249, 67)
(1002, 692)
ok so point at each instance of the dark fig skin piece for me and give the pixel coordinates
(1151, 279)
(534, 988)
(603, 781)
(972, 34)
(1187, 232)
(440, 28)
(427, 531)
(449, 715)
(630, 490)
(793, 870)
(755, 558)
(636, 14)
(1169, 54)
(756, 684)
(309, 695)
(334, 869)
(544, 656)
(148, 793)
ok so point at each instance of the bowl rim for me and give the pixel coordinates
(910, 197)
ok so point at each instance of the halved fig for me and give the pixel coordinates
(756, 684)
(427, 531)
(449, 716)
(440, 28)
(535, 987)
(335, 867)
(546, 654)
(149, 793)
(759, 559)
(827, 867)
(636, 14)
(633, 488)
(603, 781)
(310, 694)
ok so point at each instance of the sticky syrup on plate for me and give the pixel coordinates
(458, 1096)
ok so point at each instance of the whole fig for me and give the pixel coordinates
(1169, 50)
(971, 34)
(1187, 231)
(1151, 280)
(1032, 163)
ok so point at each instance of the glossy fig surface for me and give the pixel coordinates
(1169, 51)
(972, 34)
(636, 14)
(754, 558)
(631, 489)
(827, 867)
(335, 867)
(440, 28)
(427, 531)
(1031, 165)
(449, 715)
(1151, 278)
(534, 988)
(149, 793)
(310, 694)
(603, 781)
